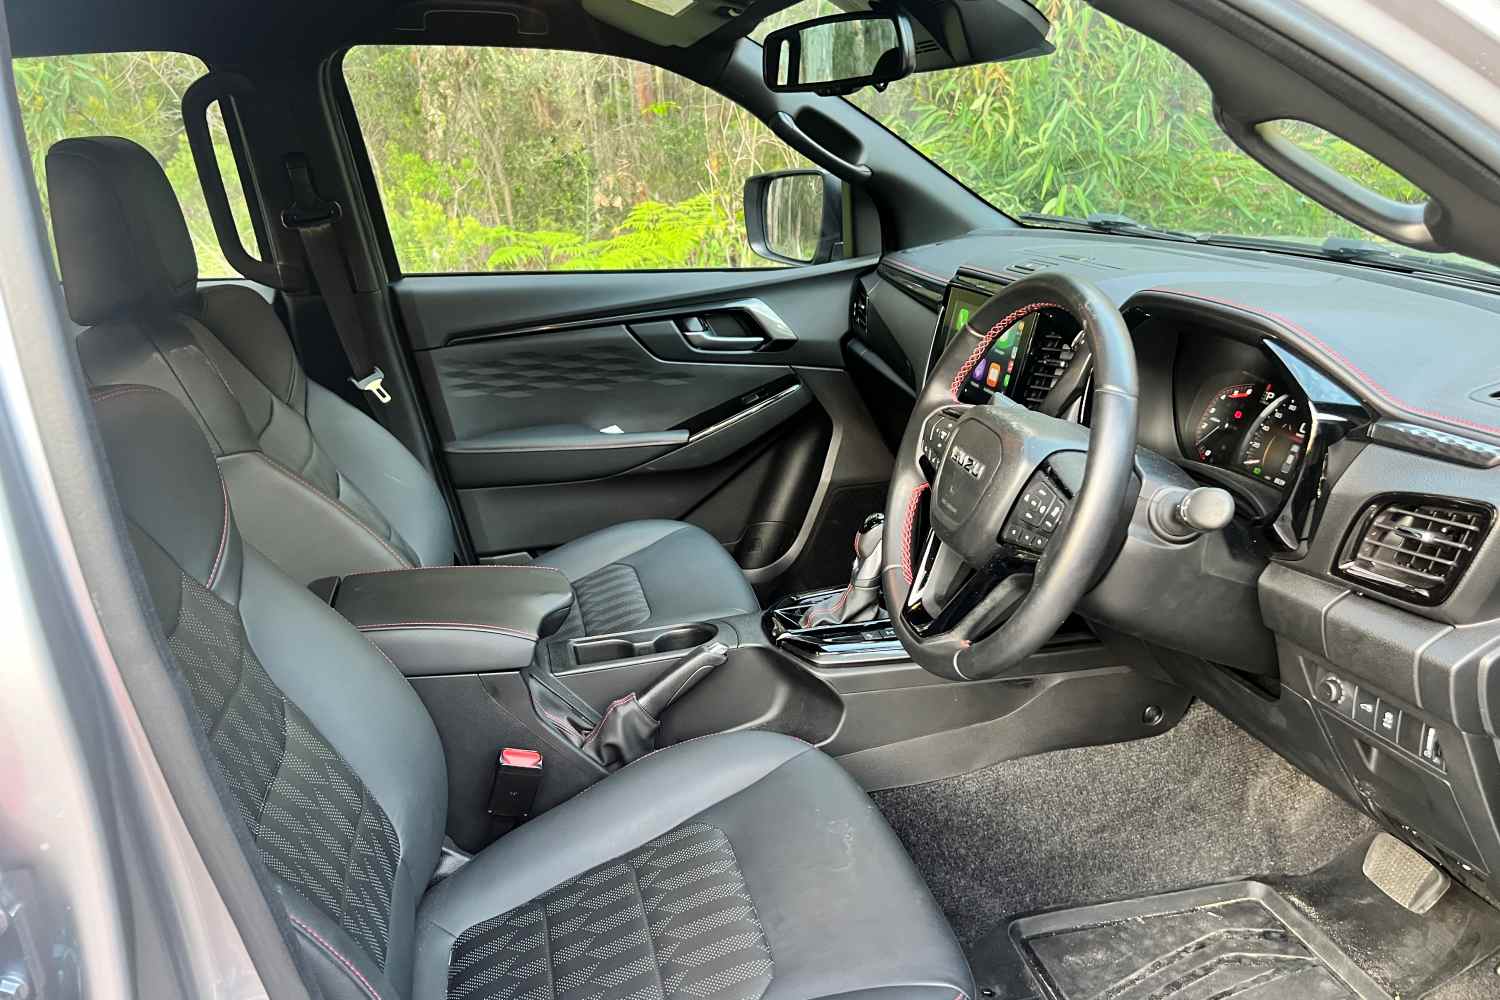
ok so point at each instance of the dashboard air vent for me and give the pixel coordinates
(1051, 350)
(1414, 547)
(859, 311)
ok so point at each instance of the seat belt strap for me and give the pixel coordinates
(315, 220)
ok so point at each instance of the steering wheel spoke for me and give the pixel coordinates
(1011, 547)
(949, 595)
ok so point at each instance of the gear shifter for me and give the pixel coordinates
(860, 600)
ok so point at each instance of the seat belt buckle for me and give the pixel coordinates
(518, 775)
(372, 383)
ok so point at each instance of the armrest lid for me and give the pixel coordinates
(456, 619)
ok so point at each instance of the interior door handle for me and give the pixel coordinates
(707, 340)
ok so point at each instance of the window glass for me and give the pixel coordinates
(136, 95)
(1113, 123)
(492, 159)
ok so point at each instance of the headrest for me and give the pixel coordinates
(168, 482)
(121, 239)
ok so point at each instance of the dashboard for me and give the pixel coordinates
(1349, 614)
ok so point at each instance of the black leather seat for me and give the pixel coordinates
(317, 485)
(737, 866)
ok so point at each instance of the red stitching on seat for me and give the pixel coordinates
(414, 569)
(111, 393)
(335, 504)
(349, 966)
(989, 339)
(910, 526)
(1359, 374)
(213, 572)
(514, 633)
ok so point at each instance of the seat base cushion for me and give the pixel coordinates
(745, 865)
(646, 573)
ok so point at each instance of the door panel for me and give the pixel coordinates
(566, 403)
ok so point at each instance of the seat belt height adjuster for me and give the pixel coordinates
(372, 383)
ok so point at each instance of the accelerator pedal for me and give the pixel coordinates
(1404, 875)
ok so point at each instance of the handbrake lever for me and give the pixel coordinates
(628, 730)
(680, 679)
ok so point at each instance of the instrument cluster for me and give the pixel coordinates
(1240, 415)
(1255, 427)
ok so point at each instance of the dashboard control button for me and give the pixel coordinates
(1432, 750)
(1364, 709)
(1012, 533)
(1409, 734)
(1330, 690)
(1387, 720)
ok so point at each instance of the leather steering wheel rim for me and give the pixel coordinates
(1072, 560)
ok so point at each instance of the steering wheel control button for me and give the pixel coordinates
(937, 437)
(1053, 517)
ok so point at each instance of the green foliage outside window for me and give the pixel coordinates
(137, 95)
(526, 159)
(492, 159)
(1111, 122)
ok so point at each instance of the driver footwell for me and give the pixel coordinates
(1200, 805)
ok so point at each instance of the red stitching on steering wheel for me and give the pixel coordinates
(988, 340)
(909, 527)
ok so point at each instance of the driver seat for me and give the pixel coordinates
(318, 486)
(733, 867)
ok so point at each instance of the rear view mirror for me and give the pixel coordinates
(840, 54)
(795, 216)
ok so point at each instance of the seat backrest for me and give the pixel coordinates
(318, 486)
(329, 758)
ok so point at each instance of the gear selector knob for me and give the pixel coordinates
(860, 600)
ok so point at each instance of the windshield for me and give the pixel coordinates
(1113, 123)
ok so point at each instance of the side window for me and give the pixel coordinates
(492, 159)
(136, 95)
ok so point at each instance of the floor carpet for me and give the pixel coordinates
(1204, 802)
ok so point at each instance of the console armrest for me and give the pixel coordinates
(456, 619)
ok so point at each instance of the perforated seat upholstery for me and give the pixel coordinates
(734, 867)
(318, 486)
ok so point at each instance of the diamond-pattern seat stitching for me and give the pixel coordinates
(313, 821)
(671, 920)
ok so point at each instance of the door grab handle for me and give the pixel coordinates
(708, 341)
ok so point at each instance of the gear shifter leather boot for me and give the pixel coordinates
(860, 600)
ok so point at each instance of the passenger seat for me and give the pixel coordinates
(317, 486)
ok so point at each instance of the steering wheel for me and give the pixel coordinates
(1026, 510)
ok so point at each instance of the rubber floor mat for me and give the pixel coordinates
(1241, 940)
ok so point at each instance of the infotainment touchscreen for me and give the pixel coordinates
(963, 303)
(997, 371)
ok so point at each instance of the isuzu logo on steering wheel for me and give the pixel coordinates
(967, 462)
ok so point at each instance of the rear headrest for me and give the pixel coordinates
(121, 239)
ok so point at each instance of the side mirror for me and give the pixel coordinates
(795, 216)
(840, 54)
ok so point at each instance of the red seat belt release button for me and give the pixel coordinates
(518, 775)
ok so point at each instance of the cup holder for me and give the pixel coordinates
(602, 650)
(676, 638)
(683, 637)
